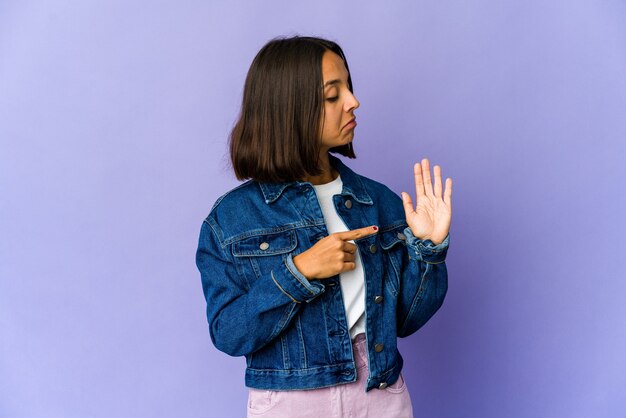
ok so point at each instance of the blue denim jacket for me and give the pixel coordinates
(293, 332)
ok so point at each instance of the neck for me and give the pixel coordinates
(328, 173)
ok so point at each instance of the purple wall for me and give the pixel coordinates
(113, 125)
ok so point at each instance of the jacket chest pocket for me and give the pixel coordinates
(259, 254)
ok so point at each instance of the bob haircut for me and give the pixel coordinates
(277, 136)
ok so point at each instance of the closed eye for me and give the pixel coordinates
(332, 99)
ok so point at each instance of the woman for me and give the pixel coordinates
(310, 270)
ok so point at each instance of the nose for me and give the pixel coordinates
(351, 102)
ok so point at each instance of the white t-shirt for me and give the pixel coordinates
(352, 281)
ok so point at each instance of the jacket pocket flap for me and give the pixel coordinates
(392, 237)
(268, 244)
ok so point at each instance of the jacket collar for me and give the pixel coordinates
(352, 184)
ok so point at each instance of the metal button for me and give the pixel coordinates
(379, 299)
(383, 385)
(348, 203)
(373, 248)
(379, 347)
(264, 246)
(401, 236)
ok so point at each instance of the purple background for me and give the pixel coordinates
(113, 124)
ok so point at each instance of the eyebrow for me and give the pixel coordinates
(331, 82)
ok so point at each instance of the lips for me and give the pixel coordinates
(350, 124)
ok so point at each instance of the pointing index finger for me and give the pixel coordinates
(357, 233)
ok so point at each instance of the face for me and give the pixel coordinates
(339, 103)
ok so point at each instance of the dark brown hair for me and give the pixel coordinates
(277, 136)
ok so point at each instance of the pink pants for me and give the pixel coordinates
(347, 400)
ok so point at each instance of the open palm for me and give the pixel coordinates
(431, 215)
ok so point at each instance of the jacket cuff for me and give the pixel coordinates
(426, 250)
(293, 283)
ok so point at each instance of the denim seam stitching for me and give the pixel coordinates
(299, 328)
(308, 369)
(269, 231)
(281, 289)
(415, 302)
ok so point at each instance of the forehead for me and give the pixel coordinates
(333, 68)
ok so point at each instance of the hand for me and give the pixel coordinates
(331, 255)
(432, 214)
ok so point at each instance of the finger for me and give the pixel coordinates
(437, 172)
(348, 247)
(407, 202)
(348, 266)
(357, 233)
(428, 185)
(348, 258)
(419, 181)
(447, 197)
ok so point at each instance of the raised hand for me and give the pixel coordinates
(431, 215)
(331, 255)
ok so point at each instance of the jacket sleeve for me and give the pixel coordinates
(245, 314)
(423, 283)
